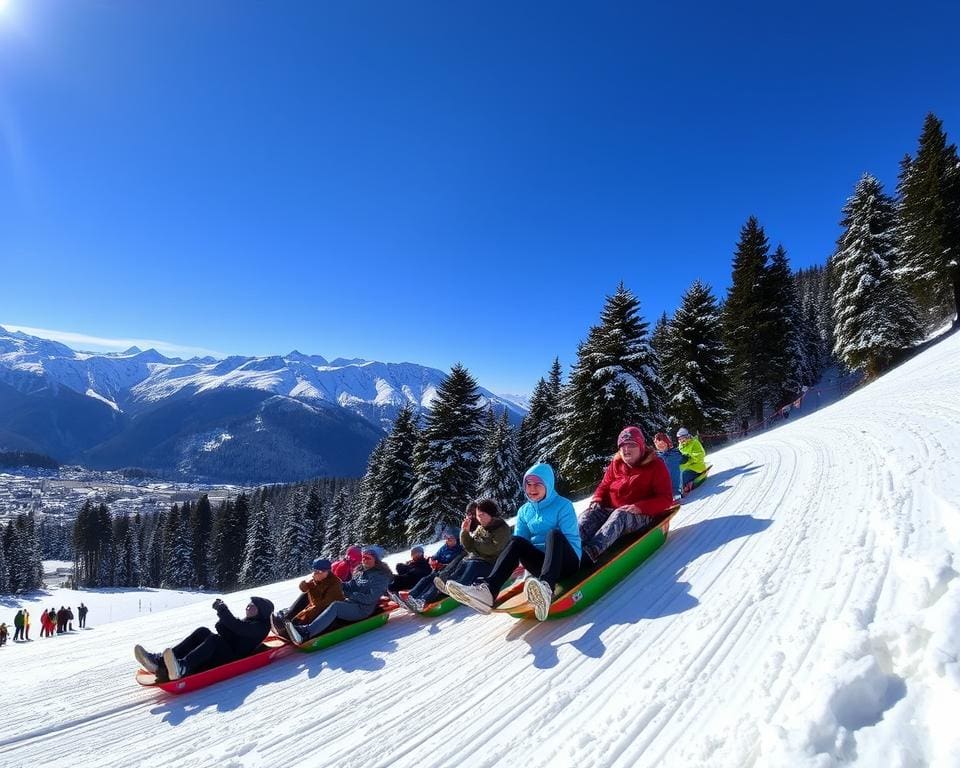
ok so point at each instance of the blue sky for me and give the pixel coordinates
(432, 182)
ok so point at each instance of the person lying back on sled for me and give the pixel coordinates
(634, 493)
(202, 649)
(410, 572)
(484, 535)
(363, 592)
(694, 458)
(546, 542)
(317, 592)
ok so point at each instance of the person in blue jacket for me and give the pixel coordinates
(546, 541)
(671, 457)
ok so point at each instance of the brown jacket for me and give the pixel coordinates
(320, 594)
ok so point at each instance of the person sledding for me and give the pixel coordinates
(448, 554)
(343, 569)
(410, 572)
(671, 456)
(317, 592)
(361, 597)
(231, 639)
(694, 459)
(633, 495)
(546, 542)
(483, 535)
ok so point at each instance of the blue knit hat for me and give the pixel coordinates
(374, 550)
(321, 564)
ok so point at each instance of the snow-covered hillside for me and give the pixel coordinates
(805, 612)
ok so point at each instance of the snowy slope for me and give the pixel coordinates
(805, 612)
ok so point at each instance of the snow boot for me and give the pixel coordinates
(175, 667)
(477, 596)
(149, 661)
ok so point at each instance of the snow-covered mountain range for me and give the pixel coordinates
(140, 407)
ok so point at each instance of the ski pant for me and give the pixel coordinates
(688, 476)
(600, 527)
(18, 633)
(557, 562)
(341, 609)
(202, 649)
(467, 572)
(83, 621)
(302, 601)
(406, 581)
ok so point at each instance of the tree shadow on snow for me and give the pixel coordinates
(653, 591)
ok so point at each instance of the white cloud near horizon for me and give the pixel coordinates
(85, 343)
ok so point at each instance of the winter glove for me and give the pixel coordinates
(218, 605)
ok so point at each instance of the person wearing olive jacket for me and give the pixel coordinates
(483, 545)
(202, 649)
(546, 541)
(363, 592)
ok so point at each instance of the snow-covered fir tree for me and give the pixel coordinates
(127, 563)
(4, 570)
(447, 457)
(153, 558)
(500, 464)
(658, 340)
(313, 519)
(613, 383)
(337, 535)
(177, 549)
(875, 317)
(389, 498)
(369, 525)
(259, 565)
(230, 537)
(201, 527)
(694, 363)
(540, 428)
(929, 221)
(784, 338)
(745, 314)
(295, 550)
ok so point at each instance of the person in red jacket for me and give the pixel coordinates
(634, 493)
(343, 569)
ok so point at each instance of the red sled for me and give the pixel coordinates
(271, 648)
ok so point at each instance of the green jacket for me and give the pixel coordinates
(693, 455)
(486, 543)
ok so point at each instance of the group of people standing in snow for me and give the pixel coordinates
(639, 489)
(61, 621)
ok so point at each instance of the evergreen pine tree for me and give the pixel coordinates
(447, 457)
(388, 502)
(258, 556)
(295, 550)
(744, 321)
(313, 516)
(230, 538)
(659, 339)
(784, 334)
(369, 525)
(178, 570)
(694, 365)
(154, 560)
(613, 384)
(540, 428)
(201, 527)
(336, 538)
(929, 220)
(500, 464)
(4, 570)
(875, 318)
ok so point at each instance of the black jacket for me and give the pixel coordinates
(244, 635)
